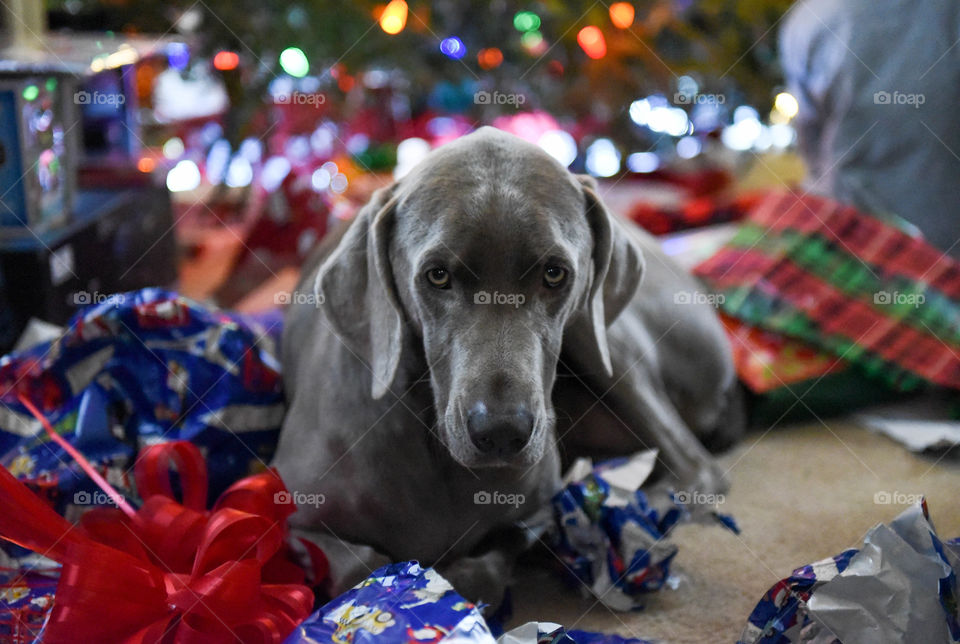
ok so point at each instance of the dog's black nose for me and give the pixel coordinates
(503, 434)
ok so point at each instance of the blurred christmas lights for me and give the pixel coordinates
(490, 58)
(592, 42)
(526, 21)
(621, 14)
(394, 17)
(294, 62)
(226, 60)
(453, 47)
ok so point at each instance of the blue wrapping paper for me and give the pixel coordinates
(401, 602)
(612, 536)
(135, 369)
(405, 603)
(26, 596)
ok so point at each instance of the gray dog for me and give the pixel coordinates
(477, 319)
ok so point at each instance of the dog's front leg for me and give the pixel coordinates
(484, 575)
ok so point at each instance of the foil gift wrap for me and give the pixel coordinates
(136, 369)
(612, 536)
(900, 586)
(400, 602)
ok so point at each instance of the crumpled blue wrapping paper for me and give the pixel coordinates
(900, 586)
(612, 536)
(405, 603)
(135, 369)
(400, 602)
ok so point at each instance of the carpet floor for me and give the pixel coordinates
(799, 493)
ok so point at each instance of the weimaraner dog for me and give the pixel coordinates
(478, 323)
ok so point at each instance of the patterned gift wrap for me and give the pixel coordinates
(612, 538)
(26, 597)
(136, 369)
(781, 615)
(400, 602)
(847, 283)
(766, 360)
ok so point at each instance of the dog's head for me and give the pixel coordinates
(487, 255)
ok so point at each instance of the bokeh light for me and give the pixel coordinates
(526, 21)
(394, 17)
(226, 60)
(490, 58)
(592, 42)
(621, 14)
(786, 104)
(294, 62)
(453, 47)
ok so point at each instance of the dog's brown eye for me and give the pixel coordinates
(553, 276)
(438, 277)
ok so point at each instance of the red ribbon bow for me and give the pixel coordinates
(171, 572)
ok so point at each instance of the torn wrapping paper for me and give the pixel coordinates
(611, 536)
(899, 587)
(136, 369)
(400, 602)
(403, 603)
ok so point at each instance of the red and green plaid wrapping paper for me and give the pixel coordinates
(848, 283)
(766, 360)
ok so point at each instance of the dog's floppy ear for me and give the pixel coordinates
(617, 271)
(357, 293)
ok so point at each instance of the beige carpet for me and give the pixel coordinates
(800, 494)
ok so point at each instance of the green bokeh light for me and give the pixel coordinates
(526, 21)
(294, 62)
(531, 39)
(31, 92)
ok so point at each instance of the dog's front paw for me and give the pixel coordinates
(481, 580)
